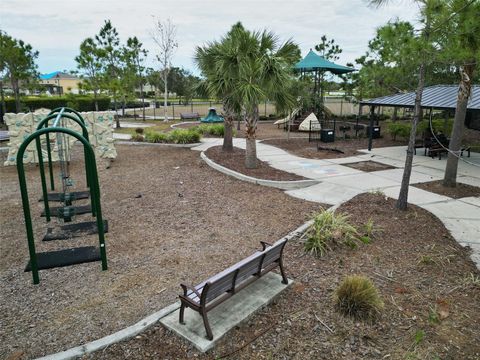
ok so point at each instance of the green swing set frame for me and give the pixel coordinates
(43, 128)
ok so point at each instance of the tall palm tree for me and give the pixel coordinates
(245, 68)
(219, 63)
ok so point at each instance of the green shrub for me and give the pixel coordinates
(177, 136)
(212, 129)
(400, 129)
(77, 102)
(357, 296)
(438, 125)
(184, 136)
(328, 229)
(155, 136)
(139, 130)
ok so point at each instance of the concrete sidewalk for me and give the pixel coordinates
(339, 183)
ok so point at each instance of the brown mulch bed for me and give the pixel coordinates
(425, 278)
(235, 160)
(460, 191)
(369, 166)
(166, 210)
(349, 147)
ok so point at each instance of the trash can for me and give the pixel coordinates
(327, 135)
(376, 132)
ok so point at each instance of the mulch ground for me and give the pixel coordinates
(430, 288)
(171, 218)
(460, 191)
(369, 166)
(338, 149)
(235, 160)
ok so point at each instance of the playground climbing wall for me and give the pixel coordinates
(98, 124)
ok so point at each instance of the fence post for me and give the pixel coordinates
(341, 107)
(191, 106)
(173, 111)
(265, 108)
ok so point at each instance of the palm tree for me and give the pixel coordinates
(245, 68)
(219, 63)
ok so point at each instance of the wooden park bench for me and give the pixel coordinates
(214, 291)
(189, 116)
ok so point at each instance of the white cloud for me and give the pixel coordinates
(56, 28)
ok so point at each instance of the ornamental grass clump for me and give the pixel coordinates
(358, 297)
(330, 228)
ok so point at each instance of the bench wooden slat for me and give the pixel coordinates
(226, 283)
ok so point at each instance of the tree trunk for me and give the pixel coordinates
(95, 99)
(228, 133)
(3, 107)
(143, 100)
(165, 100)
(464, 90)
(251, 149)
(16, 93)
(403, 196)
(117, 120)
(228, 129)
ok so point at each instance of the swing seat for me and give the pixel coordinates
(70, 231)
(60, 197)
(66, 257)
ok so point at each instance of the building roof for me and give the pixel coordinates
(437, 97)
(57, 74)
(313, 62)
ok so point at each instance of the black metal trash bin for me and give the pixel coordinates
(327, 135)
(376, 132)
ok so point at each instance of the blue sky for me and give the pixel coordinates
(56, 28)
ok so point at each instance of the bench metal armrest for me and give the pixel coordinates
(189, 287)
(265, 245)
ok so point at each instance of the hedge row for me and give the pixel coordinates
(79, 103)
(129, 105)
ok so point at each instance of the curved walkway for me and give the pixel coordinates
(339, 183)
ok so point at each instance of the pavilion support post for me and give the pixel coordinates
(358, 118)
(370, 133)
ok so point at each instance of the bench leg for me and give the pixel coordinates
(207, 325)
(282, 271)
(182, 313)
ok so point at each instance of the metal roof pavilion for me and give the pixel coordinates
(442, 97)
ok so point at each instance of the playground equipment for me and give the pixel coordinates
(71, 256)
(212, 117)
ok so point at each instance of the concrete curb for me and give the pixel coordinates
(138, 143)
(283, 185)
(174, 126)
(121, 335)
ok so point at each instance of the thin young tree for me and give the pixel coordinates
(421, 46)
(18, 62)
(108, 44)
(164, 35)
(89, 63)
(135, 56)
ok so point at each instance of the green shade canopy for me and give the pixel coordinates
(314, 62)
